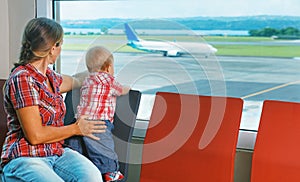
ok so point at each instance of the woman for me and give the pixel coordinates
(33, 149)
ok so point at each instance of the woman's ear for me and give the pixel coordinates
(52, 50)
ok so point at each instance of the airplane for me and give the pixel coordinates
(167, 48)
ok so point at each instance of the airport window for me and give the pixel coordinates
(246, 50)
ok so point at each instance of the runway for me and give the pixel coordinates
(253, 79)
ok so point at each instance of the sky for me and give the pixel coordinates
(176, 8)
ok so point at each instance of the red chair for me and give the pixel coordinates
(191, 137)
(3, 119)
(277, 150)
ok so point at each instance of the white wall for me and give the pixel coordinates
(14, 14)
(44, 8)
(4, 43)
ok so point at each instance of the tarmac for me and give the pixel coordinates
(254, 79)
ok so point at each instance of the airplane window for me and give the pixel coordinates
(247, 49)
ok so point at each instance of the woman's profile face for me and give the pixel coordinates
(56, 51)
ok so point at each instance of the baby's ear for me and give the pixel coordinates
(105, 69)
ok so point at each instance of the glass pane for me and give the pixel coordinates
(257, 45)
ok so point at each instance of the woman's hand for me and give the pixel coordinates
(87, 128)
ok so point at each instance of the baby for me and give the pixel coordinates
(98, 101)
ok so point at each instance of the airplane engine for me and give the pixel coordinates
(172, 53)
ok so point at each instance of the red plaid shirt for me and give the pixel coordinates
(26, 86)
(98, 96)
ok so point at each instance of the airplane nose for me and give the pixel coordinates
(214, 50)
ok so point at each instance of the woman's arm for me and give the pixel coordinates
(36, 133)
(69, 83)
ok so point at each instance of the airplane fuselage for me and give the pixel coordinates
(167, 48)
(173, 48)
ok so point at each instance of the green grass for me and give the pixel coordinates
(263, 51)
(236, 39)
(118, 43)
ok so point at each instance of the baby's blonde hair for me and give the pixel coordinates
(98, 58)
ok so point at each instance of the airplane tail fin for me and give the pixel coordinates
(130, 33)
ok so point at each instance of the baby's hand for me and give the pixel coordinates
(125, 90)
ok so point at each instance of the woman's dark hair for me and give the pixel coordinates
(39, 36)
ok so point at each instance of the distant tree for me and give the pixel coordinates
(269, 32)
(253, 32)
(289, 31)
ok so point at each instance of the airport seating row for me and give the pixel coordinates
(192, 137)
(178, 148)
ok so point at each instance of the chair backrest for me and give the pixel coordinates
(277, 149)
(191, 138)
(3, 116)
(72, 100)
(124, 122)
